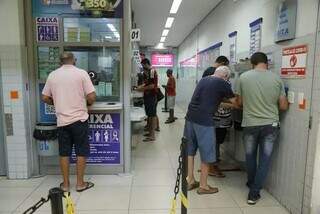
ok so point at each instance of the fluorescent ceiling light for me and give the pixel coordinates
(163, 39)
(160, 46)
(165, 32)
(169, 22)
(175, 6)
(111, 27)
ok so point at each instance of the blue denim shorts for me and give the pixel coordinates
(202, 138)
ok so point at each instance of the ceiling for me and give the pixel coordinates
(151, 15)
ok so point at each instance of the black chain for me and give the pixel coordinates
(37, 206)
(179, 173)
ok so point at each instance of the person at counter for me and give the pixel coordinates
(149, 88)
(171, 91)
(262, 95)
(199, 126)
(220, 61)
(69, 89)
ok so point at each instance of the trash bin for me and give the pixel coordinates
(46, 135)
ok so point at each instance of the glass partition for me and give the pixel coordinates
(91, 30)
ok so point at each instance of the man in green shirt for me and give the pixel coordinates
(261, 93)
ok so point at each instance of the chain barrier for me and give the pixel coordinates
(181, 174)
(35, 207)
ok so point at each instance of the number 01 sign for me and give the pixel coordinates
(135, 35)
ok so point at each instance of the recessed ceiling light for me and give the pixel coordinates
(175, 6)
(163, 39)
(169, 22)
(160, 46)
(165, 32)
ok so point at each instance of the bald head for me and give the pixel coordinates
(223, 72)
(67, 58)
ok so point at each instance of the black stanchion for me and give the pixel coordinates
(184, 184)
(55, 196)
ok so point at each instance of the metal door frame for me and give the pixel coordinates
(3, 147)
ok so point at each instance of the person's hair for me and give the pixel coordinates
(222, 60)
(223, 72)
(145, 61)
(258, 58)
(209, 71)
(66, 58)
(170, 71)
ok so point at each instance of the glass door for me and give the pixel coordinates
(2, 142)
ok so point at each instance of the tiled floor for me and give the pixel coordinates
(148, 190)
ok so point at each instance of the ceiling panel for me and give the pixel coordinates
(151, 15)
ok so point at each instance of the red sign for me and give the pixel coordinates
(162, 60)
(294, 62)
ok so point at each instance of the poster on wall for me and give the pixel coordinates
(87, 8)
(233, 47)
(48, 61)
(104, 139)
(255, 35)
(47, 112)
(47, 29)
(294, 62)
(286, 22)
(162, 60)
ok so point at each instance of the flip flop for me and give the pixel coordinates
(149, 139)
(63, 188)
(211, 190)
(193, 186)
(89, 185)
(146, 135)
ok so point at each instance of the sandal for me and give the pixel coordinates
(157, 129)
(146, 135)
(149, 139)
(211, 190)
(217, 174)
(193, 186)
(88, 185)
(64, 189)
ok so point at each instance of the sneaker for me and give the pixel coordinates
(253, 198)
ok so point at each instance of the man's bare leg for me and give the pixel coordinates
(81, 166)
(64, 166)
(153, 124)
(190, 177)
(204, 175)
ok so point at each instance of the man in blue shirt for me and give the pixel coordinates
(199, 126)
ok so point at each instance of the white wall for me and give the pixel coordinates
(232, 16)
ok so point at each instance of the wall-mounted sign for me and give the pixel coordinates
(107, 5)
(286, 23)
(47, 29)
(191, 62)
(233, 47)
(47, 112)
(104, 139)
(135, 35)
(162, 60)
(255, 35)
(294, 62)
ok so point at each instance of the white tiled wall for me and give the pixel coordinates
(12, 80)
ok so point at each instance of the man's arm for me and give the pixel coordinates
(48, 100)
(283, 103)
(91, 98)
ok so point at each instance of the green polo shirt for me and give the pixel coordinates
(260, 91)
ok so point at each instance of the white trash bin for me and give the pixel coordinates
(46, 136)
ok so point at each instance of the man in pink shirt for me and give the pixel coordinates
(70, 90)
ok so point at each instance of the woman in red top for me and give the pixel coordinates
(171, 92)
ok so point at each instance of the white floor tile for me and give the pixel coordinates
(11, 198)
(105, 198)
(153, 178)
(112, 180)
(215, 211)
(33, 182)
(152, 163)
(149, 212)
(101, 212)
(264, 210)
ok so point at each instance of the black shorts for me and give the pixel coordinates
(74, 134)
(150, 105)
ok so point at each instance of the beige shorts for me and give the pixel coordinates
(171, 102)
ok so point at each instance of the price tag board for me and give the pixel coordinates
(135, 35)
(105, 5)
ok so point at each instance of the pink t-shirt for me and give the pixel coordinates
(68, 86)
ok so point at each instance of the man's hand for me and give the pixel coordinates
(140, 88)
(283, 103)
(48, 100)
(91, 98)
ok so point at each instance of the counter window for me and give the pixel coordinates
(105, 63)
(91, 30)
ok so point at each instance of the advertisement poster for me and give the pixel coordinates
(85, 8)
(104, 139)
(233, 47)
(294, 62)
(255, 36)
(47, 112)
(286, 23)
(47, 29)
(48, 61)
(162, 60)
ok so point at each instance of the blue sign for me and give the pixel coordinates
(47, 29)
(286, 24)
(47, 112)
(104, 138)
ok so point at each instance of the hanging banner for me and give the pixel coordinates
(47, 112)
(104, 139)
(294, 62)
(86, 8)
(162, 60)
(47, 29)
(286, 23)
(255, 36)
(233, 47)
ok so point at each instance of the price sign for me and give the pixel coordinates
(135, 35)
(97, 5)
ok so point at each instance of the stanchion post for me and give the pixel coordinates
(184, 184)
(55, 196)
